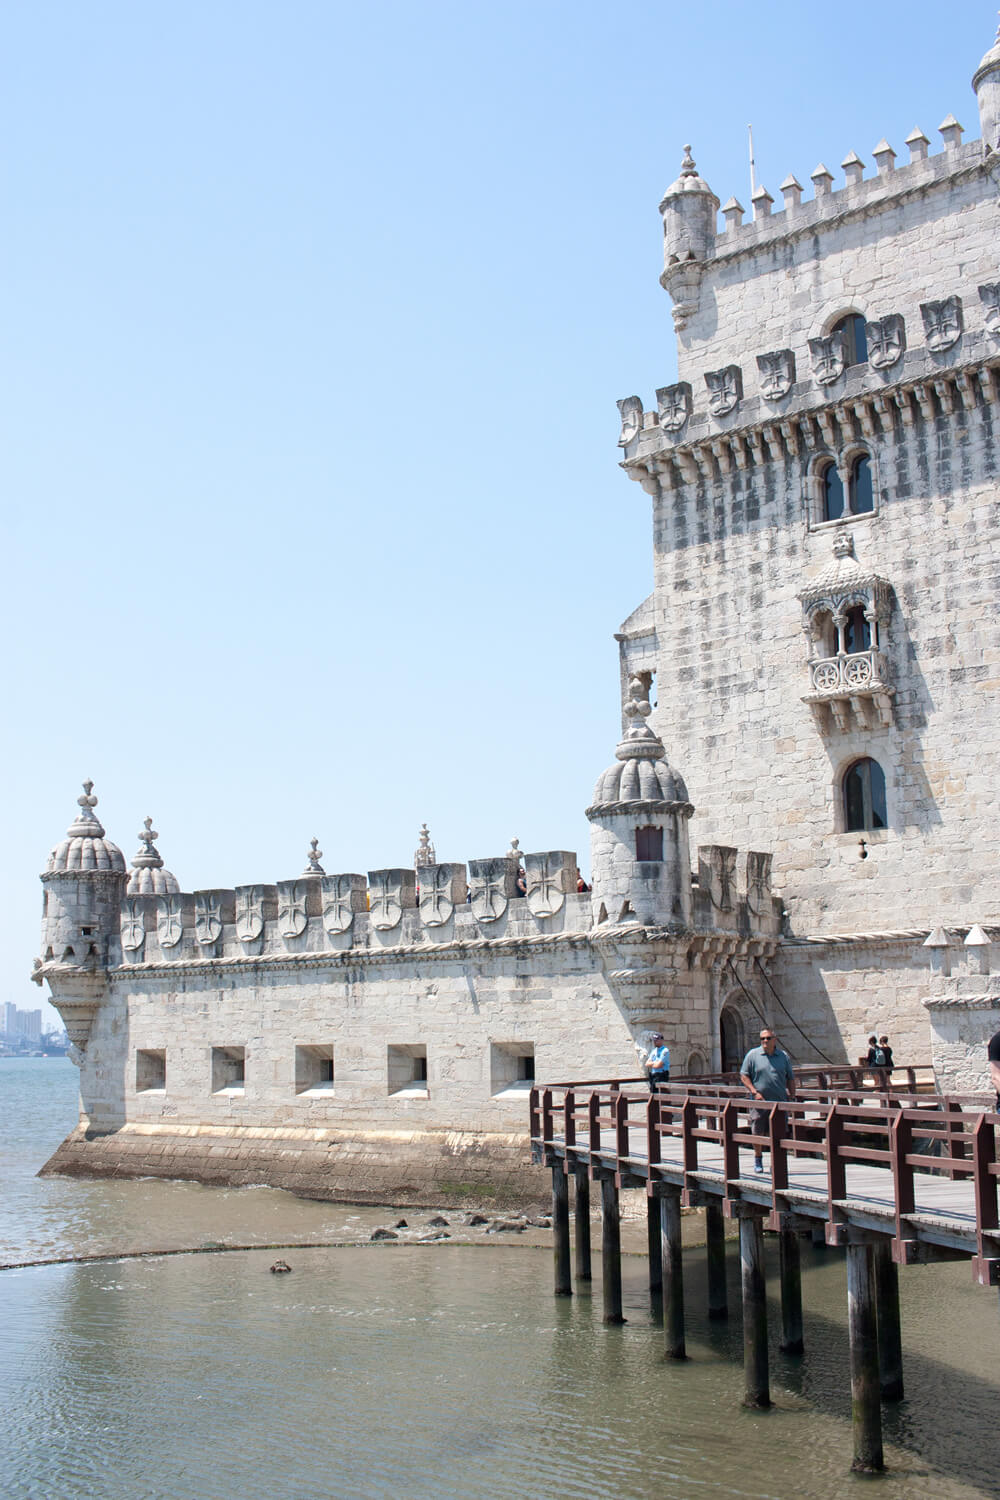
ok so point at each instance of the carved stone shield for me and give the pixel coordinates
(492, 882)
(249, 913)
(546, 877)
(989, 296)
(169, 921)
(207, 918)
(717, 874)
(725, 390)
(829, 358)
(758, 882)
(133, 928)
(436, 894)
(674, 405)
(631, 415)
(777, 373)
(942, 323)
(390, 892)
(338, 903)
(292, 916)
(886, 341)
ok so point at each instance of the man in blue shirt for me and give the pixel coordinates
(658, 1062)
(767, 1072)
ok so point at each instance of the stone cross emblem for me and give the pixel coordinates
(488, 883)
(758, 882)
(674, 405)
(886, 341)
(338, 907)
(942, 323)
(777, 373)
(725, 390)
(292, 917)
(133, 928)
(169, 921)
(718, 863)
(631, 415)
(989, 296)
(207, 919)
(829, 358)
(436, 904)
(249, 914)
(386, 905)
(544, 885)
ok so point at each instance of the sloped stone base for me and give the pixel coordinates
(438, 1168)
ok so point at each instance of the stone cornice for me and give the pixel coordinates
(610, 809)
(866, 414)
(881, 939)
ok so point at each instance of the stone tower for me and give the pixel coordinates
(640, 853)
(84, 883)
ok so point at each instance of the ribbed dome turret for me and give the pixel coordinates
(85, 846)
(148, 877)
(641, 772)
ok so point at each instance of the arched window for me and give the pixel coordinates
(833, 493)
(857, 631)
(860, 494)
(649, 844)
(864, 796)
(855, 341)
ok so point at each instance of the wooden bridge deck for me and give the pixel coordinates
(920, 1169)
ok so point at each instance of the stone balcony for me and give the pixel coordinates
(853, 686)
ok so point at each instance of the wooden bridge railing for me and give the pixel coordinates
(614, 1129)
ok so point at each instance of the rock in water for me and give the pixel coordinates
(384, 1234)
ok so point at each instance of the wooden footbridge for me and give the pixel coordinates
(869, 1159)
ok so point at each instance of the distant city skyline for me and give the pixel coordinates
(316, 321)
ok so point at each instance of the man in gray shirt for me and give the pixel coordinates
(768, 1074)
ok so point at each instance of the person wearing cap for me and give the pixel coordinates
(658, 1062)
(768, 1073)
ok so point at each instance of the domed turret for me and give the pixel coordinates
(640, 852)
(84, 883)
(689, 209)
(85, 846)
(986, 83)
(148, 877)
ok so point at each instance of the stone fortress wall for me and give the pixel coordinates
(375, 1036)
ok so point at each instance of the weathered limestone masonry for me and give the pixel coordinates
(824, 477)
(823, 634)
(375, 1038)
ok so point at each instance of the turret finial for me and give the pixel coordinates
(688, 168)
(314, 856)
(425, 854)
(87, 800)
(148, 857)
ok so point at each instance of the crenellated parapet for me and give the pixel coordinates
(433, 906)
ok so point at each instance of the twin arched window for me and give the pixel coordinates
(860, 495)
(864, 796)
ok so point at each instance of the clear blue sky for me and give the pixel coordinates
(314, 320)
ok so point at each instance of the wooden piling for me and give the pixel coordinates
(715, 1249)
(866, 1407)
(791, 1292)
(654, 1248)
(581, 1214)
(758, 1391)
(560, 1231)
(673, 1276)
(890, 1340)
(611, 1251)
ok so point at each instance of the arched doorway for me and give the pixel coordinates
(731, 1039)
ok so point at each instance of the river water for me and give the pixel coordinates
(417, 1370)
